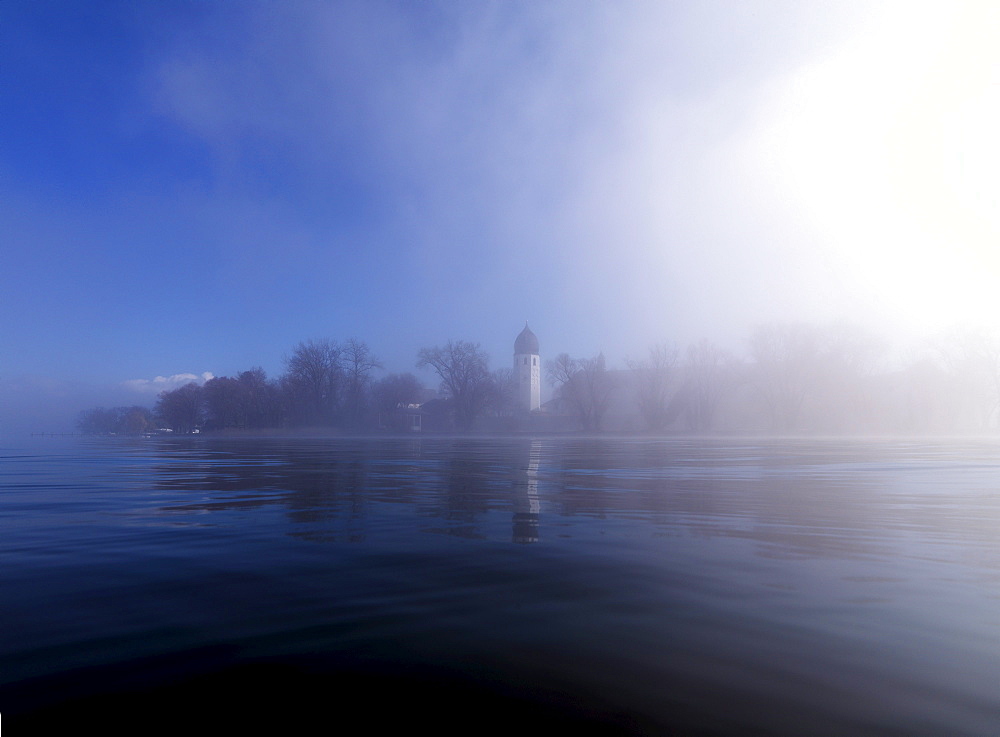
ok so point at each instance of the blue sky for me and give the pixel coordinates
(196, 187)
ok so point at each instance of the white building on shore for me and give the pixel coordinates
(527, 369)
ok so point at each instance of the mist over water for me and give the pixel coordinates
(820, 586)
(722, 219)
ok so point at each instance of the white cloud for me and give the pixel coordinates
(166, 383)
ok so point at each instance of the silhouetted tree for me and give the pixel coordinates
(358, 362)
(96, 421)
(260, 399)
(223, 404)
(560, 369)
(395, 390)
(248, 401)
(585, 385)
(313, 380)
(465, 377)
(181, 408)
(560, 372)
(394, 393)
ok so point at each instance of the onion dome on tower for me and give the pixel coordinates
(526, 342)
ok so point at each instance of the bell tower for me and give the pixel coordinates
(527, 369)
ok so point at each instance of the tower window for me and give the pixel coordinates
(534, 360)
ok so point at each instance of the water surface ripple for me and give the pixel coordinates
(611, 585)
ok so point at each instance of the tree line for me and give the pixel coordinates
(326, 384)
(794, 377)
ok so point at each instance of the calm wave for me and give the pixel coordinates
(611, 585)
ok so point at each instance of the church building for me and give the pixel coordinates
(527, 369)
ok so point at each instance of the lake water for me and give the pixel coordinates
(463, 585)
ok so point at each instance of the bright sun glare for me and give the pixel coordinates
(890, 148)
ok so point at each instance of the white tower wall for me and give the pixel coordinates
(527, 369)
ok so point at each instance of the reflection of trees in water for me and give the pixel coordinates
(323, 492)
(331, 489)
(481, 477)
(792, 498)
(465, 493)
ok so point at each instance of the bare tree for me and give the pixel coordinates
(585, 385)
(826, 367)
(313, 379)
(560, 370)
(503, 392)
(358, 363)
(850, 356)
(787, 361)
(598, 387)
(652, 379)
(708, 374)
(465, 377)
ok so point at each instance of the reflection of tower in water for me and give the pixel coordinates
(525, 486)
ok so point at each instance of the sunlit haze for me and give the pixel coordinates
(191, 189)
(887, 147)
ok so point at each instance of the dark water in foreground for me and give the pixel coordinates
(721, 586)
